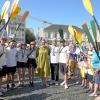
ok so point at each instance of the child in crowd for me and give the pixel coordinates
(84, 70)
(2, 64)
(21, 63)
(11, 63)
(90, 73)
(31, 62)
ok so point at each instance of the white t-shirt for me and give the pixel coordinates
(11, 60)
(90, 52)
(90, 72)
(84, 65)
(63, 55)
(80, 64)
(54, 54)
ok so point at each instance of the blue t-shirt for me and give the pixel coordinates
(95, 60)
(72, 55)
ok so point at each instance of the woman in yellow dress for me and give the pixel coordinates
(43, 62)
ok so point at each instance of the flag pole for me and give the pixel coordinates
(96, 23)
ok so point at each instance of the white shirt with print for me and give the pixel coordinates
(54, 54)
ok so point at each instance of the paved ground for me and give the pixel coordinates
(75, 92)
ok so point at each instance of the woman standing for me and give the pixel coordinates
(96, 66)
(43, 62)
(72, 61)
(31, 62)
(21, 63)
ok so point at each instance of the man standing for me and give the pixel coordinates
(11, 63)
(54, 59)
(63, 62)
(2, 63)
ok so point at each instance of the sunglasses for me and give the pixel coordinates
(32, 44)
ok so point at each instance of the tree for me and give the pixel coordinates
(29, 35)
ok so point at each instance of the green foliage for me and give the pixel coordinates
(29, 35)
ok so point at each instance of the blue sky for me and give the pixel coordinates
(69, 12)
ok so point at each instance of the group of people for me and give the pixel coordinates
(16, 57)
(47, 60)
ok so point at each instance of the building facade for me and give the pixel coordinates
(52, 31)
(18, 35)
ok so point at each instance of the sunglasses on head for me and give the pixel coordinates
(32, 44)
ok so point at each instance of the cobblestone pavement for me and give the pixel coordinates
(75, 92)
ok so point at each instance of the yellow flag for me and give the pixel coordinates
(88, 6)
(15, 13)
(71, 30)
(77, 35)
(13, 7)
(5, 9)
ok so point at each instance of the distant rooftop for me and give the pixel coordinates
(55, 27)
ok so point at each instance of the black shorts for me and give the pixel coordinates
(9, 70)
(32, 63)
(1, 73)
(90, 78)
(63, 68)
(21, 64)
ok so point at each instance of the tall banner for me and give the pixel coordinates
(13, 7)
(93, 27)
(87, 32)
(76, 35)
(5, 9)
(61, 33)
(88, 6)
(15, 13)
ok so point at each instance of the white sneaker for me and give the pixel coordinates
(52, 82)
(77, 82)
(66, 86)
(56, 83)
(62, 83)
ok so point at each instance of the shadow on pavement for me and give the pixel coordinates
(41, 96)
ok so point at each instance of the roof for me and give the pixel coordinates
(55, 28)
